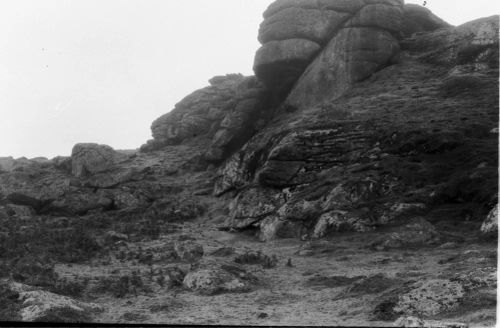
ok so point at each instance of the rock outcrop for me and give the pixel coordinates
(228, 112)
(324, 46)
(369, 133)
(333, 166)
(89, 159)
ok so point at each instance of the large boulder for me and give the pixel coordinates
(282, 62)
(352, 55)
(90, 158)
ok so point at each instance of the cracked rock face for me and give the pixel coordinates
(88, 159)
(325, 46)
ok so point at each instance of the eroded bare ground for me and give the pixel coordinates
(337, 281)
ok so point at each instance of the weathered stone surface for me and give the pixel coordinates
(301, 210)
(253, 205)
(420, 19)
(43, 306)
(475, 42)
(490, 224)
(378, 16)
(484, 31)
(251, 110)
(431, 297)
(340, 221)
(79, 203)
(409, 321)
(274, 227)
(216, 278)
(347, 6)
(229, 111)
(415, 234)
(195, 114)
(351, 56)
(88, 159)
(310, 24)
(62, 163)
(280, 63)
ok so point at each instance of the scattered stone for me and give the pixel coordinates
(43, 306)
(216, 278)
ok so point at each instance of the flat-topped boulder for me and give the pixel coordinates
(90, 158)
(283, 60)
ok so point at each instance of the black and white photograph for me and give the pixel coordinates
(328, 163)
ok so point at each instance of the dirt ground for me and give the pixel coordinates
(314, 290)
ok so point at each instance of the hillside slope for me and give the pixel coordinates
(352, 181)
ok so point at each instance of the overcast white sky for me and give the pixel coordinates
(102, 70)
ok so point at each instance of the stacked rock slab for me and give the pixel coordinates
(196, 114)
(324, 46)
(228, 112)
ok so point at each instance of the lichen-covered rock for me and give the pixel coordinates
(275, 227)
(43, 306)
(490, 224)
(174, 276)
(430, 297)
(418, 233)
(253, 205)
(216, 278)
(251, 110)
(343, 6)
(88, 159)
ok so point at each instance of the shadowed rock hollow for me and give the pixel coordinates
(364, 152)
